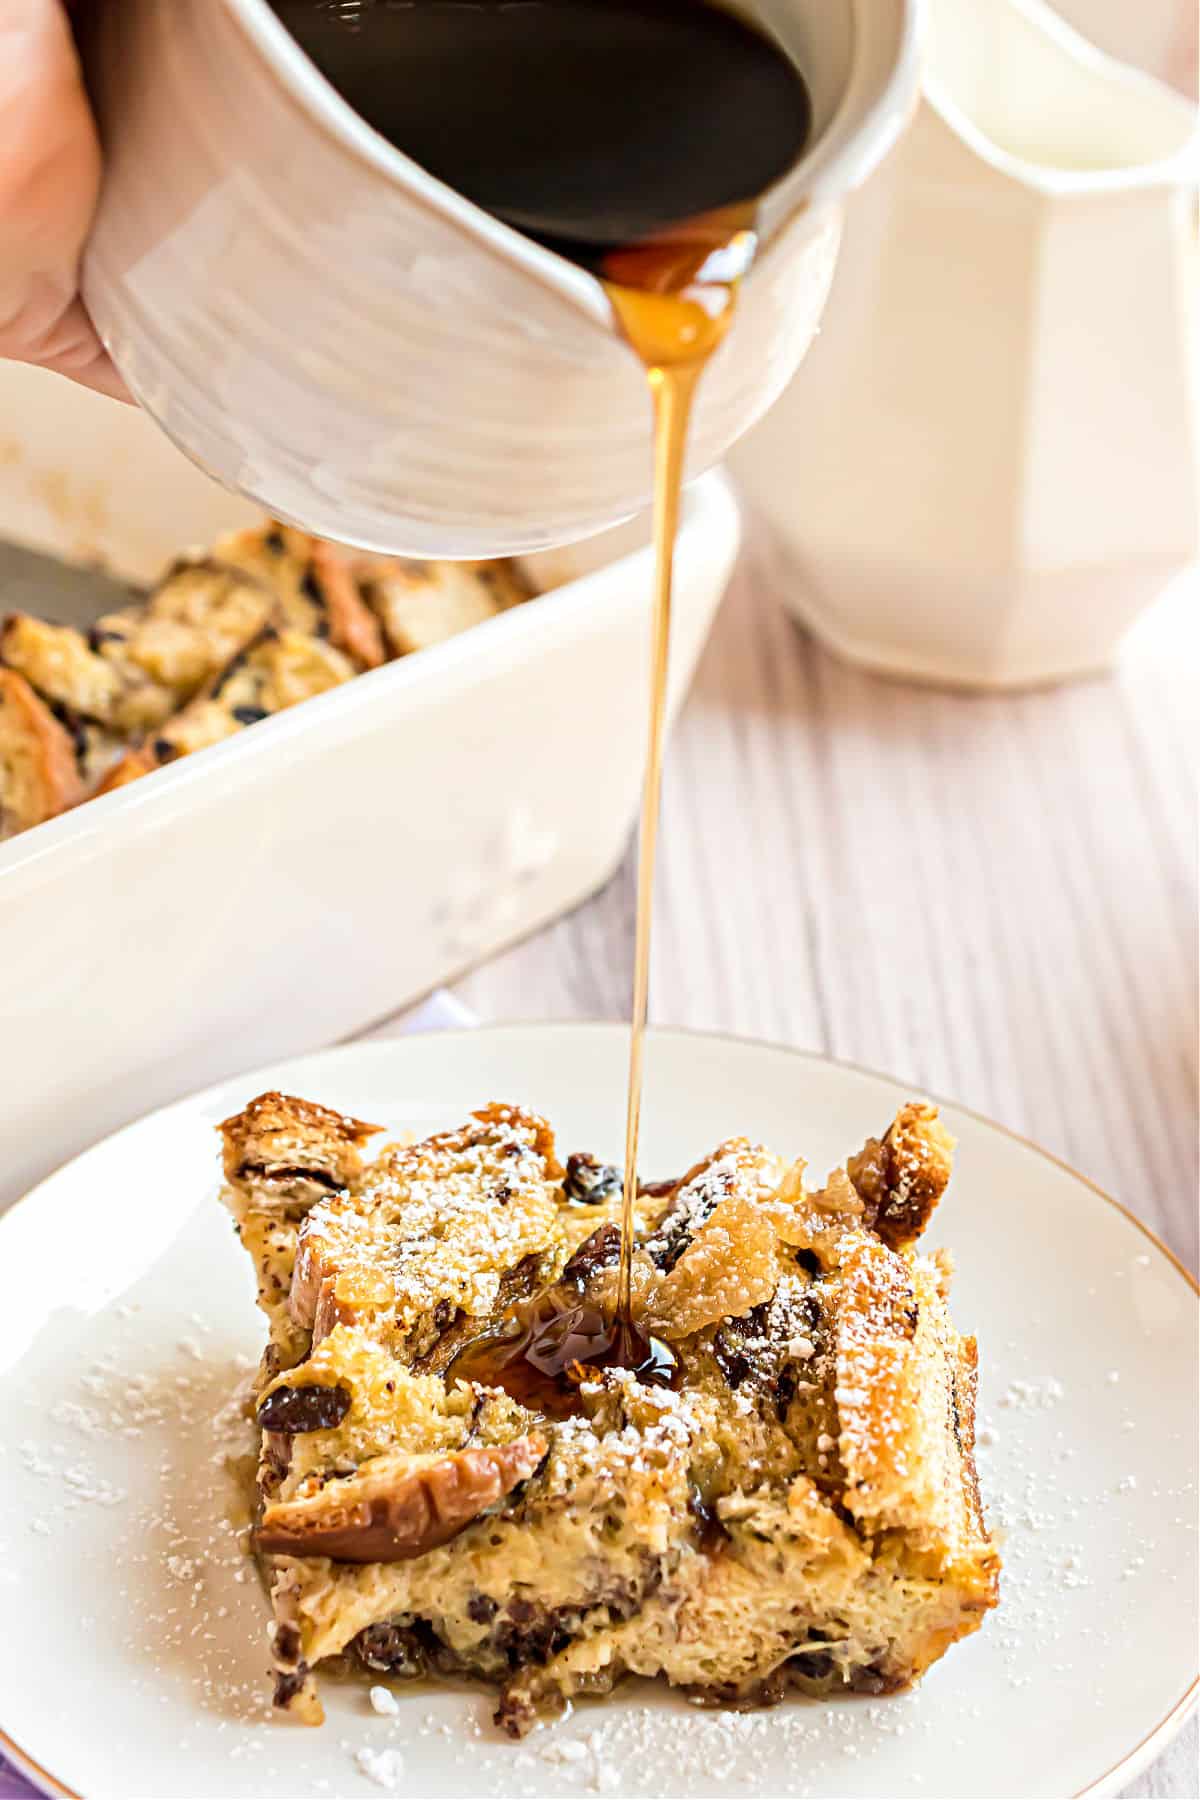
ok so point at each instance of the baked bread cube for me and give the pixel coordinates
(39, 776)
(786, 1500)
(277, 669)
(423, 603)
(313, 584)
(139, 665)
(281, 1155)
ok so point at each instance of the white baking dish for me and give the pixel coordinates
(325, 867)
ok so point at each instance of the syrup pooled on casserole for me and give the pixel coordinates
(636, 138)
(548, 1346)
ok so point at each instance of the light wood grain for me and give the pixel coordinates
(990, 897)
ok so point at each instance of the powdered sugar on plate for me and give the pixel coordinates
(384, 1767)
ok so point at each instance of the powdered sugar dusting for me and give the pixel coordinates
(430, 1203)
(384, 1767)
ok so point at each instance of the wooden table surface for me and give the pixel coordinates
(990, 897)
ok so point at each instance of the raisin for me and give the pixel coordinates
(288, 1684)
(515, 1714)
(812, 1665)
(72, 724)
(268, 635)
(735, 1359)
(590, 1181)
(809, 1314)
(873, 1679)
(100, 634)
(481, 1608)
(533, 1634)
(266, 1172)
(754, 1347)
(711, 1533)
(686, 1214)
(809, 1261)
(392, 1650)
(785, 1392)
(741, 1696)
(313, 1408)
(598, 1251)
(249, 715)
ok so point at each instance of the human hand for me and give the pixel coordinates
(49, 181)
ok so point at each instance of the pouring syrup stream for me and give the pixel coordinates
(674, 300)
(673, 318)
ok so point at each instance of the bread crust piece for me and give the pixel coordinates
(802, 1509)
(901, 1177)
(284, 1153)
(61, 666)
(280, 1155)
(313, 584)
(398, 1506)
(38, 773)
(138, 666)
(423, 603)
(276, 670)
(97, 749)
(430, 1232)
(716, 1247)
(200, 614)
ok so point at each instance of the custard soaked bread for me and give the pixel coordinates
(799, 1508)
(39, 775)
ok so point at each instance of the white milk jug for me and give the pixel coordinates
(988, 467)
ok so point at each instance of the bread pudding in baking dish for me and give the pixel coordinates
(783, 1494)
(268, 617)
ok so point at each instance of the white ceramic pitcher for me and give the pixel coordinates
(330, 331)
(988, 466)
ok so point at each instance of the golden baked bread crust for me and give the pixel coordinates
(277, 669)
(400, 1253)
(38, 772)
(314, 588)
(801, 1510)
(423, 603)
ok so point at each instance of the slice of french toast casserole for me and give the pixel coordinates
(797, 1507)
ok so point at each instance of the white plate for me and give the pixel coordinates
(125, 1674)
